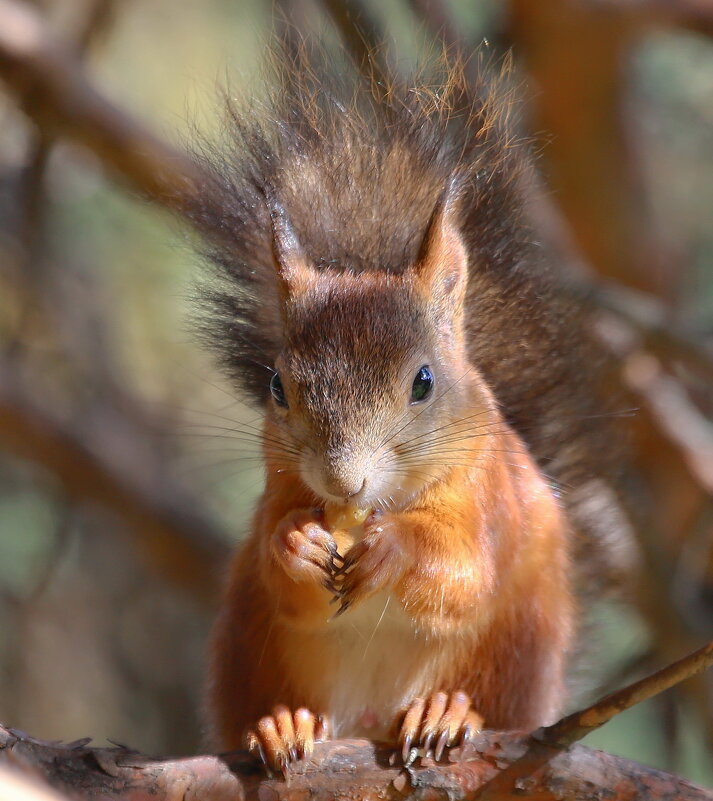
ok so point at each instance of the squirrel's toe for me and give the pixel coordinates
(284, 738)
(431, 726)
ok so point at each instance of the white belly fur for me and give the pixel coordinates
(380, 663)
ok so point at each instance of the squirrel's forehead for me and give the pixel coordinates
(369, 326)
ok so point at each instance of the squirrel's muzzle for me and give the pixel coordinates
(342, 474)
(344, 486)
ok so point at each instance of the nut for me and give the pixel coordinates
(339, 516)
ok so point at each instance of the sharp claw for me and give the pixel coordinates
(342, 609)
(427, 744)
(263, 759)
(406, 748)
(330, 586)
(344, 568)
(321, 729)
(294, 756)
(467, 734)
(282, 765)
(268, 770)
(441, 743)
(256, 749)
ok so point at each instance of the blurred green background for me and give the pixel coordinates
(96, 299)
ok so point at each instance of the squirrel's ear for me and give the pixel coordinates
(293, 272)
(442, 264)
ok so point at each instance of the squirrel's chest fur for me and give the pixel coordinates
(373, 661)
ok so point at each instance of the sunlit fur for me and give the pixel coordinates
(471, 589)
(354, 346)
(359, 168)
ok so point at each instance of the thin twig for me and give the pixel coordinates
(54, 90)
(648, 315)
(547, 742)
(168, 527)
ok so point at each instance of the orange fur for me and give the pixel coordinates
(460, 579)
(485, 589)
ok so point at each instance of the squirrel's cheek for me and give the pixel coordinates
(410, 476)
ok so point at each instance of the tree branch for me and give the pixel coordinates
(184, 546)
(53, 89)
(547, 742)
(648, 316)
(340, 769)
(360, 34)
(497, 765)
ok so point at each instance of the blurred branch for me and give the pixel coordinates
(677, 417)
(442, 26)
(184, 547)
(351, 770)
(650, 319)
(576, 54)
(497, 765)
(54, 91)
(693, 15)
(97, 21)
(547, 742)
(32, 202)
(669, 475)
(361, 35)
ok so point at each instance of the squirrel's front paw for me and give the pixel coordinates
(304, 549)
(377, 561)
(432, 725)
(284, 737)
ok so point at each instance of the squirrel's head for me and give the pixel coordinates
(372, 388)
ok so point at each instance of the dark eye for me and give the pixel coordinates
(422, 384)
(277, 390)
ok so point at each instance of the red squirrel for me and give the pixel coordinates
(408, 572)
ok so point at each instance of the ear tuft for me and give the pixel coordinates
(291, 266)
(442, 264)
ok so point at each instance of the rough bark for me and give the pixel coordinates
(343, 769)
